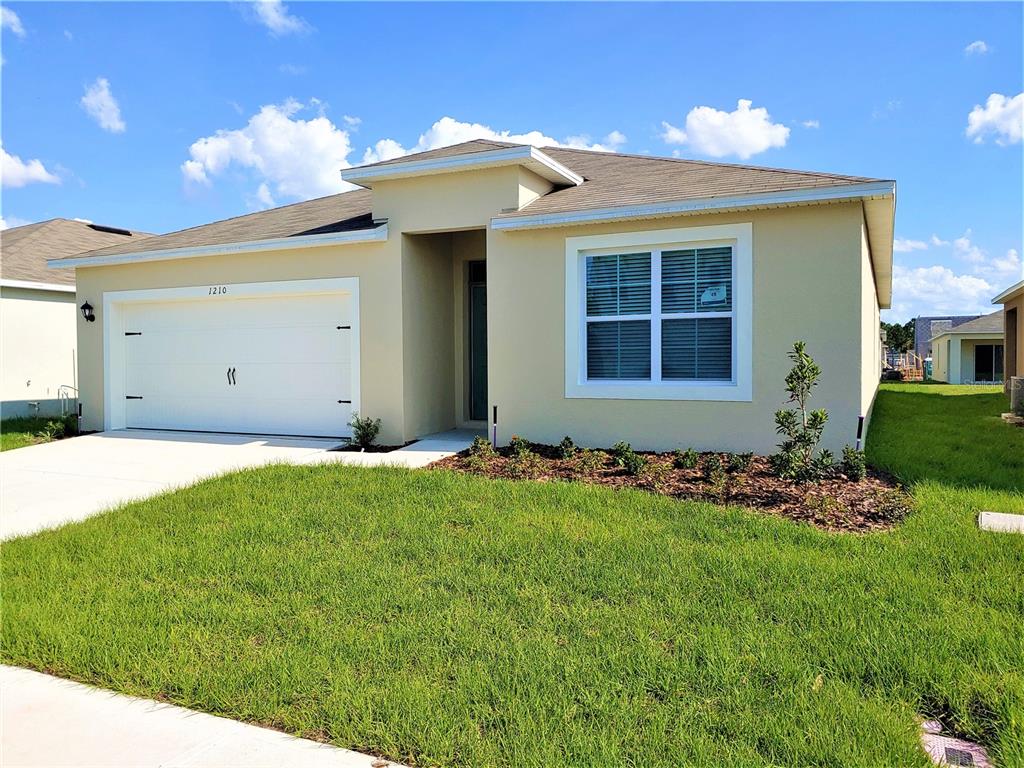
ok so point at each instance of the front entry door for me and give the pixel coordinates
(478, 340)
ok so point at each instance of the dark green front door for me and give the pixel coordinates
(478, 340)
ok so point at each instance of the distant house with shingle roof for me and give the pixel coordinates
(37, 311)
(970, 352)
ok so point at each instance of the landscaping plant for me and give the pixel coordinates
(518, 446)
(625, 457)
(854, 465)
(738, 462)
(802, 427)
(364, 430)
(567, 448)
(687, 459)
(588, 461)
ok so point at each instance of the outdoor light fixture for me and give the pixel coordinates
(87, 313)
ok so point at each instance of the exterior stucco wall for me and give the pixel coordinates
(37, 350)
(807, 276)
(428, 344)
(941, 353)
(377, 266)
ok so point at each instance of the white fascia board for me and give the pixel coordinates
(378, 234)
(533, 158)
(650, 210)
(32, 286)
(1008, 293)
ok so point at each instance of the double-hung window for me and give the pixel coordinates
(667, 319)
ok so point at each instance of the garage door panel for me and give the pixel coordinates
(275, 365)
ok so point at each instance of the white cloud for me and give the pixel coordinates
(937, 241)
(15, 172)
(937, 290)
(811, 124)
(448, 131)
(743, 132)
(101, 105)
(352, 122)
(12, 221)
(977, 47)
(9, 20)
(274, 15)
(290, 156)
(1001, 116)
(965, 249)
(68, 36)
(904, 245)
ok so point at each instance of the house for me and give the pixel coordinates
(971, 352)
(1012, 300)
(555, 291)
(927, 328)
(37, 312)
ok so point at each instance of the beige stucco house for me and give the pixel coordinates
(1012, 300)
(970, 353)
(609, 297)
(38, 371)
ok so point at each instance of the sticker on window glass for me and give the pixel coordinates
(715, 294)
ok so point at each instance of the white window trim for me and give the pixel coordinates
(740, 389)
(114, 302)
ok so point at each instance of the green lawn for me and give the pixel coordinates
(22, 431)
(444, 619)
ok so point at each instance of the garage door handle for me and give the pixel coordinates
(345, 401)
(231, 376)
(133, 397)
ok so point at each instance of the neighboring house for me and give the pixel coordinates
(927, 328)
(38, 310)
(970, 353)
(609, 297)
(1012, 300)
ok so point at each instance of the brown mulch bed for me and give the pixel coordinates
(835, 504)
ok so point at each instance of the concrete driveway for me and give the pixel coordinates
(44, 486)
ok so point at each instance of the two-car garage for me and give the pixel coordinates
(262, 358)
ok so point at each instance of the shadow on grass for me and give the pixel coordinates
(953, 435)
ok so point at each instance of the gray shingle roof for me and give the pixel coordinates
(610, 180)
(992, 323)
(336, 213)
(24, 250)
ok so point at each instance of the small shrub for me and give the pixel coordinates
(619, 451)
(364, 430)
(687, 459)
(712, 465)
(481, 447)
(53, 430)
(823, 465)
(801, 427)
(893, 506)
(854, 464)
(633, 463)
(518, 446)
(567, 448)
(738, 462)
(525, 465)
(656, 476)
(476, 463)
(588, 461)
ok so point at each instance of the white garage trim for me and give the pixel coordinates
(114, 302)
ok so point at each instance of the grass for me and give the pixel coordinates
(24, 430)
(444, 619)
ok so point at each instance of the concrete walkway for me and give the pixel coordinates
(44, 486)
(46, 721)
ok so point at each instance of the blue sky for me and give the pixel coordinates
(159, 116)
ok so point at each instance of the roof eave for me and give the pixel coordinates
(1010, 293)
(532, 158)
(879, 198)
(377, 234)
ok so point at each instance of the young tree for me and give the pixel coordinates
(801, 427)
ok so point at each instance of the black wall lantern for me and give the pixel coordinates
(87, 312)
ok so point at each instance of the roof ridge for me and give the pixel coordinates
(712, 163)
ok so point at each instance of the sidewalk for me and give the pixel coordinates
(46, 721)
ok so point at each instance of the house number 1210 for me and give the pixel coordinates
(216, 289)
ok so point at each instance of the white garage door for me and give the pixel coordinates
(277, 365)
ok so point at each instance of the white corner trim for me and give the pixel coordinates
(540, 162)
(682, 207)
(112, 319)
(1008, 293)
(377, 234)
(32, 286)
(740, 389)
